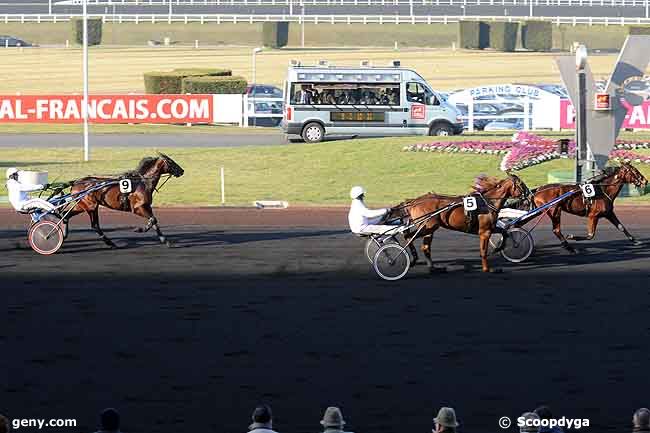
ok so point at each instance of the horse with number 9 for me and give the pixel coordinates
(133, 193)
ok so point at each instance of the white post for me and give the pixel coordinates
(255, 51)
(470, 115)
(411, 7)
(647, 10)
(290, 7)
(223, 187)
(531, 8)
(171, 11)
(49, 8)
(302, 28)
(84, 105)
(527, 115)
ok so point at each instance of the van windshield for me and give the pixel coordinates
(345, 94)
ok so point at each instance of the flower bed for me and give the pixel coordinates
(526, 149)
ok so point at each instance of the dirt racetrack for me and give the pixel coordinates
(282, 307)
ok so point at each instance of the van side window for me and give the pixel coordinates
(431, 98)
(415, 93)
(364, 94)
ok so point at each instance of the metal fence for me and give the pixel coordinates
(314, 19)
(609, 3)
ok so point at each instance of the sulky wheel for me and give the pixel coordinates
(518, 245)
(373, 245)
(496, 241)
(45, 237)
(55, 219)
(391, 262)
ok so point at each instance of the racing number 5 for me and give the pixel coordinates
(470, 203)
(125, 186)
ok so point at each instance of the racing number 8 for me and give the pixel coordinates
(470, 203)
(125, 186)
(588, 190)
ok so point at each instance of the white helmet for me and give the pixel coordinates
(11, 171)
(356, 191)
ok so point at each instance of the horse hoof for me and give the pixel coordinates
(113, 246)
(569, 237)
(168, 244)
(438, 270)
(573, 251)
(495, 270)
(637, 243)
(138, 230)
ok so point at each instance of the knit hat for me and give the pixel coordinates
(446, 417)
(332, 418)
(531, 428)
(261, 417)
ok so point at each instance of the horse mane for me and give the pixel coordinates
(483, 182)
(144, 165)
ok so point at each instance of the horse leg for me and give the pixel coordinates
(146, 212)
(592, 223)
(484, 243)
(426, 249)
(556, 220)
(94, 223)
(612, 218)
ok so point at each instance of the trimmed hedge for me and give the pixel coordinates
(172, 82)
(231, 84)
(94, 31)
(537, 36)
(474, 35)
(503, 36)
(275, 35)
(208, 72)
(635, 30)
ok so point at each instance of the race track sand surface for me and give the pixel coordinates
(191, 338)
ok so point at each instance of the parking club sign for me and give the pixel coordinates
(418, 111)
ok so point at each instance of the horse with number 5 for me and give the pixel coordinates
(133, 193)
(485, 201)
(606, 187)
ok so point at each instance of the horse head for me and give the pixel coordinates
(169, 166)
(491, 187)
(630, 174)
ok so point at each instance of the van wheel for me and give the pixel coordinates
(313, 133)
(441, 130)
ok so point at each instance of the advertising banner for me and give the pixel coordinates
(638, 117)
(107, 109)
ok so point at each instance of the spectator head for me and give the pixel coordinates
(531, 423)
(641, 420)
(4, 424)
(544, 412)
(333, 419)
(262, 417)
(110, 420)
(445, 420)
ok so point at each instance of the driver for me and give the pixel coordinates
(363, 220)
(18, 193)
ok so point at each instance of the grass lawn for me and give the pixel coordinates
(316, 35)
(58, 70)
(52, 128)
(302, 174)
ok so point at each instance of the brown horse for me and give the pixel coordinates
(608, 185)
(144, 181)
(490, 194)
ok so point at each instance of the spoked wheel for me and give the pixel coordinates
(518, 245)
(373, 245)
(391, 262)
(55, 219)
(45, 237)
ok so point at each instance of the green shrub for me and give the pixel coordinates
(232, 84)
(208, 72)
(636, 30)
(503, 36)
(275, 35)
(172, 82)
(94, 31)
(474, 35)
(537, 36)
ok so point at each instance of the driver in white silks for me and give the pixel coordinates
(19, 193)
(363, 220)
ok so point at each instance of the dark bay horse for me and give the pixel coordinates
(608, 185)
(490, 194)
(144, 180)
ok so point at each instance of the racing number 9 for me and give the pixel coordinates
(125, 186)
(470, 203)
(588, 190)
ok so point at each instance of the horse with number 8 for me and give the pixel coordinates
(133, 193)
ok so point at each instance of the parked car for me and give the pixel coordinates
(503, 125)
(637, 86)
(479, 110)
(10, 41)
(555, 89)
(266, 103)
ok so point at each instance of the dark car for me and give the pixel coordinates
(10, 41)
(263, 91)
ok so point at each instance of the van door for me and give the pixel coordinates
(417, 110)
